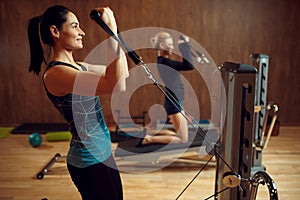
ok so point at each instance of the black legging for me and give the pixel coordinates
(99, 181)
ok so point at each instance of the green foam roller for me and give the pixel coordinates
(58, 136)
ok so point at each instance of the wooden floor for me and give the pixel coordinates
(19, 164)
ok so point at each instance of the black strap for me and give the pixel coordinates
(53, 63)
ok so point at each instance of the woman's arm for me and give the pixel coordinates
(61, 80)
(187, 58)
(117, 71)
(98, 69)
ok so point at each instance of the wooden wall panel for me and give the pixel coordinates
(229, 31)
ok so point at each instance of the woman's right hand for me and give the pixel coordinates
(107, 16)
(183, 39)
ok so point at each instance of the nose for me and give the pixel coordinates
(81, 32)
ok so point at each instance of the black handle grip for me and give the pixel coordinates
(95, 14)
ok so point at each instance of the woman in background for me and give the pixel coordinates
(169, 71)
(89, 160)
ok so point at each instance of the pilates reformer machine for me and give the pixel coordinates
(238, 149)
(155, 153)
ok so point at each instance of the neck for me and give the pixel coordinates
(63, 56)
(163, 54)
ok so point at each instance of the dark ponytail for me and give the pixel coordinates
(36, 49)
(39, 29)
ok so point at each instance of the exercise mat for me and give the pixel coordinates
(5, 131)
(28, 128)
(58, 136)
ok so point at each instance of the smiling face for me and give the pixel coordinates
(70, 35)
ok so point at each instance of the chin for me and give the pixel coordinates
(167, 53)
(79, 47)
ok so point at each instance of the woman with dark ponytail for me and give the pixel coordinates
(74, 88)
(36, 50)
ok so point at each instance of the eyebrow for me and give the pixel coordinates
(76, 23)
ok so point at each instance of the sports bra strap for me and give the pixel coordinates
(53, 63)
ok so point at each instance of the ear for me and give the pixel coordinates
(54, 31)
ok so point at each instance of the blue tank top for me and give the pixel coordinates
(90, 143)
